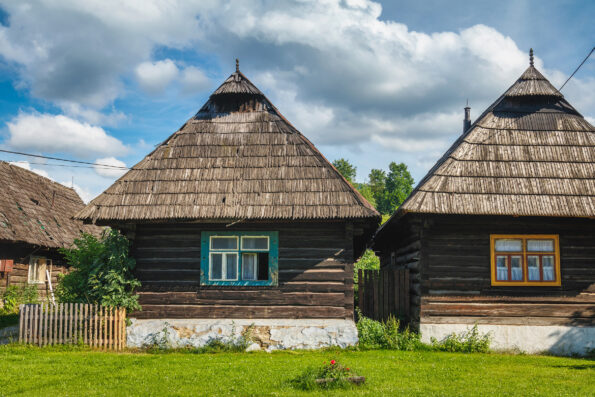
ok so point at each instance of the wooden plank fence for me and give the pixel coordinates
(384, 292)
(73, 323)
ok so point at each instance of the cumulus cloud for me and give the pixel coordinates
(194, 80)
(154, 77)
(110, 172)
(340, 72)
(60, 134)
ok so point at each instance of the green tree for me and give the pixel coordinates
(101, 272)
(377, 183)
(346, 169)
(398, 186)
(366, 191)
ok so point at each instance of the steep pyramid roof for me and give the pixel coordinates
(238, 158)
(529, 154)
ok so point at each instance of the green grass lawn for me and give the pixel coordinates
(60, 372)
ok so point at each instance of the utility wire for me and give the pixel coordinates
(66, 160)
(579, 66)
(66, 165)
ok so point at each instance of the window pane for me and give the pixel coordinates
(263, 266)
(548, 268)
(249, 266)
(533, 267)
(516, 268)
(255, 243)
(501, 268)
(232, 266)
(224, 243)
(540, 245)
(509, 245)
(216, 267)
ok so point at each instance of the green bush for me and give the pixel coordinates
(101, 272)
(16, 295)
(465, 342)
(385, 335)
(333, 374)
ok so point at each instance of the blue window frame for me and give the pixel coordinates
(239, 258)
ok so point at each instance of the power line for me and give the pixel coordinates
(579, 66)
(66, 160)
(67, 165)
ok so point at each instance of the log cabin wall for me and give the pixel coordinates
(456, 282)
(20, 254)
(315, 273)
(451, 281)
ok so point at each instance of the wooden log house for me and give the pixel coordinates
(238, 216)
(35, 221)
(501, 231)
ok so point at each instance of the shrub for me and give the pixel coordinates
(330, 375)
(101, 272)
(16, 295)
(465, 342)
(385, 335)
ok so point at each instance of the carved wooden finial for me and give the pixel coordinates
(531, 57)
(237, 65)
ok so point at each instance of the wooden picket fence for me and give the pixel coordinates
(73, 323)
(384, 292)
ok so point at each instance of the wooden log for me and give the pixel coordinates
(407, 295)
(414, 246)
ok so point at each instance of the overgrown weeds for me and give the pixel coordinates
(386, 335)
(331, 375)
(16, 295)
(471, 341)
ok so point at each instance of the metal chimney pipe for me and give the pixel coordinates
(467, 121)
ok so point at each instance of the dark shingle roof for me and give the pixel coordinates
(237, 158)
(36, 210)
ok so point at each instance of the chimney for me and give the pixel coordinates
(467, 121)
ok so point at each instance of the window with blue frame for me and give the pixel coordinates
(239, 258)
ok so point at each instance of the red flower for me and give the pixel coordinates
(347, 369)
(333, 362)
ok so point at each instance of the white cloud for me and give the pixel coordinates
(60, 134)
(26, 165)
(340, 73)
(154, 77)
(110, 172)
(194, 80)
(83, 193)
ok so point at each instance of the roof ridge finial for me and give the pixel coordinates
(237, 65)
(531, 57)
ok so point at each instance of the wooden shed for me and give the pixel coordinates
(238, 216)
(501, 231)
(36, 218)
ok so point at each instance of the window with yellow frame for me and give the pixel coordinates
(525, 259)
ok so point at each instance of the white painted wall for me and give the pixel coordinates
(559, 340)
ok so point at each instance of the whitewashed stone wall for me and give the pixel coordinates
(267, 334)
(559, 340)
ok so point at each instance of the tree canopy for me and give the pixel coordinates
(385, 191)
(346, 169)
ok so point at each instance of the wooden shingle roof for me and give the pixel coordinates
(37, 210)
(237, 158)
(529, 154)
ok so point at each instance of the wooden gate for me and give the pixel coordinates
(73, 323)
(384, 292)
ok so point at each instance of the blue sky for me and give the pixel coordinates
(373, 82)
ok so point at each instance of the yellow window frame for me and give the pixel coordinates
(524, 254)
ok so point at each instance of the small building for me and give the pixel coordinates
(501, 231)
(36, 219)
(236, 220)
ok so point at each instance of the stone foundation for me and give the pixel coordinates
(559, 340)
(266, 334)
